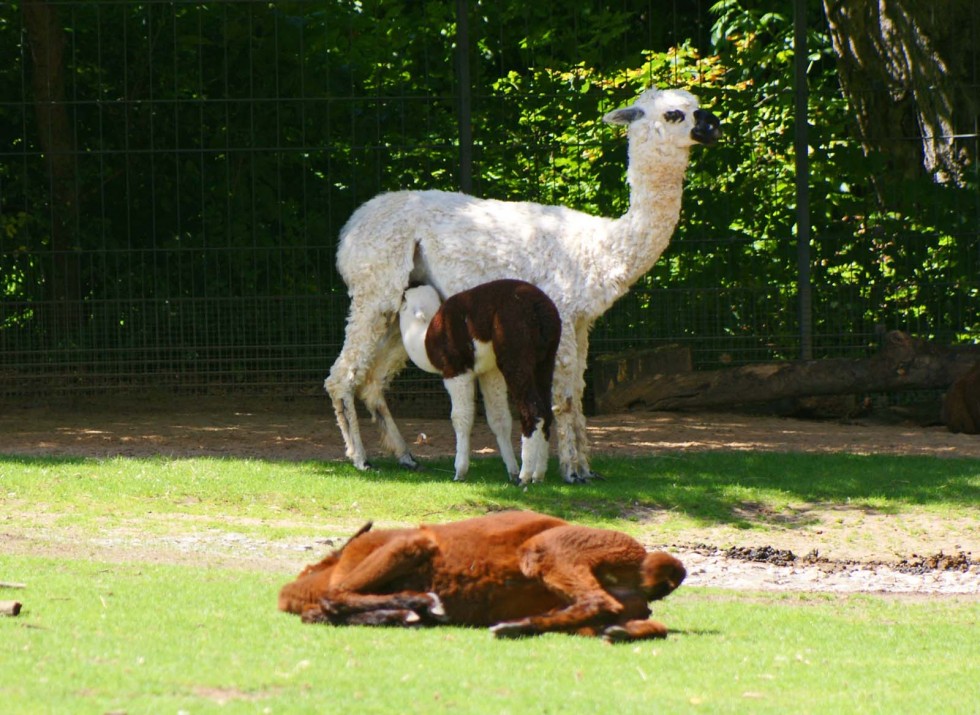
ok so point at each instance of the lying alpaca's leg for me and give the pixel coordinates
(588, 603)
(633, 631)
(396, 558)
(384, 617)
(352, 607)
(389, 360)
(462, 393)
(358, 585)
(379, 617)
(494, 390)
(567, 559)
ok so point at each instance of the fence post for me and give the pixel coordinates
(801, 143)
(465, 109)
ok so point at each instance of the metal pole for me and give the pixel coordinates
(801, 144)
(465, 109)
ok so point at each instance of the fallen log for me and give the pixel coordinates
(902, 363)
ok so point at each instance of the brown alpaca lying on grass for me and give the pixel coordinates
(519, 572)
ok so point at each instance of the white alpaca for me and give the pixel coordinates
(505, 334)
(454, 242)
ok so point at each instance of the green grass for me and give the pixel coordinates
(138, 637)
(141, 638)
(684, 491)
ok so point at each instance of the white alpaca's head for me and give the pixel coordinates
(667, 118)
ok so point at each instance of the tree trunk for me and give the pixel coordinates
(46, 39)
(904, 66)
(903, 363)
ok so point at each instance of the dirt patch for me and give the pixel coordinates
(878, 555)
(303, 429)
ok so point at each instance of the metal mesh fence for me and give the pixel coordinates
(175, 174)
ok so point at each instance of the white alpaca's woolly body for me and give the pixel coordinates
(454, 242)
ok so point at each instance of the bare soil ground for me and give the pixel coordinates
(863, 552)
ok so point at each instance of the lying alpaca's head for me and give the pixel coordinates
(660, 574)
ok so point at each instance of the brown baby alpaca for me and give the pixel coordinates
(520, 572)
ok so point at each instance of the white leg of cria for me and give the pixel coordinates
(494, 390)
(390, 359)
(462, 392)
(534, 456)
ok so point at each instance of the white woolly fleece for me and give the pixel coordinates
(584, 263)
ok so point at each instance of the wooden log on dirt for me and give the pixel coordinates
(9, 608)
(902, 363)
(961, 405)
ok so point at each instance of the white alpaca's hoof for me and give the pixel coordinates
(408, 462)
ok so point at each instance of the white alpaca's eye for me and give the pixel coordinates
(674, 115)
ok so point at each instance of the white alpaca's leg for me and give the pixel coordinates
(494, 390)
(534, 456)
(563, 400)
(462, 393)
(582, 447)
(366, 328)
(389, 361)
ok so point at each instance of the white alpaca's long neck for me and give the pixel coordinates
(637, 239)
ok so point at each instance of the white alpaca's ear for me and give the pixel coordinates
(626, 115)
(420, 315)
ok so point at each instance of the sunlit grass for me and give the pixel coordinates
(143, 638)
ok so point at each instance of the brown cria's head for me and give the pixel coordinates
(660, 574)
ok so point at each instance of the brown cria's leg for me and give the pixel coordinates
(634, 631)
(378, 617)
(354, 608)
(358, 584)
(567, 560)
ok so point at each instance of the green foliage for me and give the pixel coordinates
(221, 146)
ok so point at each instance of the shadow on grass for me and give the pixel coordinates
(739, 489)
(732, 488)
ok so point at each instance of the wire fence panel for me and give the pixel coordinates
(174, 176)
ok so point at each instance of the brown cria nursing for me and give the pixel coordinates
(505, 334)
(961, 405)
(519, 572)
